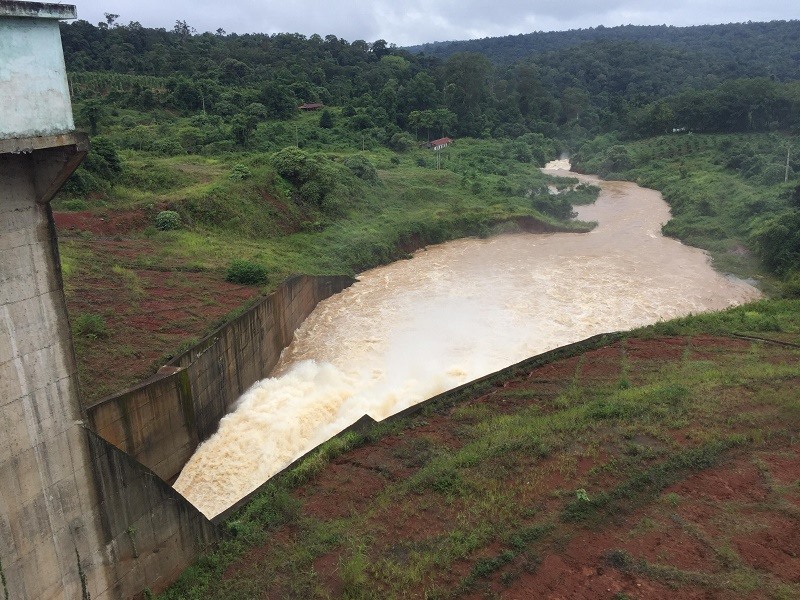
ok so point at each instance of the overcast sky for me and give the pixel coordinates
(406, 22)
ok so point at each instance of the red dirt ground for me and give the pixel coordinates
(107, 224)
(150, 306)
(736, 519)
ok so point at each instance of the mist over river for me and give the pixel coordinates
(457, 311)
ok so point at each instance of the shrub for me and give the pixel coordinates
(167, 147)
(90, 326)
(240, 172)
(245, 272)
(326, 119)
(294, 165)
(99, 172)
(556, 206)
(76, 204)
(168, 220)
(401, 142)
(361, 167)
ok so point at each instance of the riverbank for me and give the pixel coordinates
(729, 195)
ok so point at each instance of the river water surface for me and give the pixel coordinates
(457, 311)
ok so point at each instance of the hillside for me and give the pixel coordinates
(759, 49)
(660, 463)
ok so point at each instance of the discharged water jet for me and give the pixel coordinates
(412, 329)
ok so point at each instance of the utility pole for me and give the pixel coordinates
(296, 137)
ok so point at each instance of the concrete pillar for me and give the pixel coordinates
(50, 532)
(51, 543)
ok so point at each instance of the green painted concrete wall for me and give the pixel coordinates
(34, 93)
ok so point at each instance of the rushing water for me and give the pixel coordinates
(455, 312)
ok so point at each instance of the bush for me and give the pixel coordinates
(76, 204)
(240, 172)
(401, 142)
(99, 172)
(245, 272)
(153, 176)
(326, 119)
(90, 326)
(167, 147)
(168, 220)
(294, 165)
(361, 167)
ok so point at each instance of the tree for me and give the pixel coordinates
(183, 29)
(468, 94)
(443, 120)
(418, 94)
(279, 100)
(241, 129)
(794, 199)
(326, 119)
(93, 112)
(379, 48)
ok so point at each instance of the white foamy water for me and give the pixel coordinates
(455, 312)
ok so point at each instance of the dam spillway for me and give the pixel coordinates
(408, 331)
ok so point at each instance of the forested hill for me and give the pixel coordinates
(743, 43)
(574, 92)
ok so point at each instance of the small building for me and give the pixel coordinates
(311, 106)
(440, 143)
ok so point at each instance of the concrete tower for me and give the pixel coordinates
(50, 541)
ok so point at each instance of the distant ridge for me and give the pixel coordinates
(511, 48)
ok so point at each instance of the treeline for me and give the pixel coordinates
(737, 49)
(738, 106)
(166, 93)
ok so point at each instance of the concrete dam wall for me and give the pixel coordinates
(78, 517)
(162, 421)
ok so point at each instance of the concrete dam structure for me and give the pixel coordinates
(86, 510)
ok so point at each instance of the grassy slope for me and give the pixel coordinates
(653, 466)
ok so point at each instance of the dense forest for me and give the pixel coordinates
(740, 47)
(721, 78)
(160, 94)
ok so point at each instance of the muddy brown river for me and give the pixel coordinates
(454, 312)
